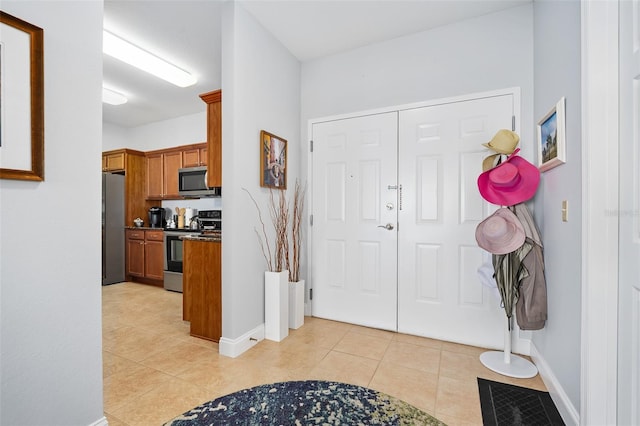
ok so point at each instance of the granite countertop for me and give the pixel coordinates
(211, 237)
(193, 235)
(143, 228)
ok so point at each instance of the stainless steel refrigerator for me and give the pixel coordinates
(112, 228)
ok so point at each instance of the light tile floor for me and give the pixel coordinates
(154, 371)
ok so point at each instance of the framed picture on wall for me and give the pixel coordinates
(551, 138)
(273, 161)
(21, 99)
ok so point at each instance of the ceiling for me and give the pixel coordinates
(187, 33)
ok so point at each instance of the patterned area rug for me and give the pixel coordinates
(509, 405)
(305, 403)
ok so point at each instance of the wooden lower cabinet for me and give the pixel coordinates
(145, 256)
(202, 288)
(154, 255)
(135, 253)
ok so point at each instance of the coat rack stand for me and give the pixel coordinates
(505, 362)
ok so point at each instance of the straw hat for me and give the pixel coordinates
(500, 233)
(504, 141)
(490, 162)
(513, 181)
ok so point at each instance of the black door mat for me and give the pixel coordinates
(509, 405)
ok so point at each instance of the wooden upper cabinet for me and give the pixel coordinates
(171, 163)
(163, 166)
(154, 176)
(195, 156)
(214, 137)
(113, 161)
(204, 156)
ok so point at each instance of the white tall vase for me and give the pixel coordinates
(296, 304)
(276, 305)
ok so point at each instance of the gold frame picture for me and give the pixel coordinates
(273, 161)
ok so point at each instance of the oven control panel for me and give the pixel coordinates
(210, 219)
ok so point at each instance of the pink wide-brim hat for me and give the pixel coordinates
(512, 182)
(500, 233)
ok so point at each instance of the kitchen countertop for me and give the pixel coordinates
(188, 234)
(148, 228)
(143, 228)
(212, 237)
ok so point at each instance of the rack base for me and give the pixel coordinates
(517, 367)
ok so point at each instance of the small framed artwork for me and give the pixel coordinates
(21, 100)
(551, 138)
(273, 161)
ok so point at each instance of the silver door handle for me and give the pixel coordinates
(388, 226)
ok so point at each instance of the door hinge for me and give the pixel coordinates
(311, 220)
(513, 123)
(310, 294)
(311, 145)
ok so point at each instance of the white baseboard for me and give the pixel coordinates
(520, 345)
(236, 347)
(566, 409)
(100, 422)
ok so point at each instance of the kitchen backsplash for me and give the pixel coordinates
(214, 203)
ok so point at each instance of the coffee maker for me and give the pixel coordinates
(156, 217)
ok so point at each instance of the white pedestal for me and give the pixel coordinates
(276, 305)
(506, 363)
(517, 367)
(296, 304)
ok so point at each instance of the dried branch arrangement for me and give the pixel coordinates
(263, 239)
(278, 258)
(279, 210)
(296, 232)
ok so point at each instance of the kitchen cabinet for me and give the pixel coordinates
(172, 162)
(162, 174)
(113, 161)
(202, 288)
(135, 253)
(195, 157)
(131, 164)
(154, 176)
(162, 169)
(145, 256)
(214, 137)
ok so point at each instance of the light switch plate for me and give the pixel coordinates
(565, 211)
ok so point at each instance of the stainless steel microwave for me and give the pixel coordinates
(192, 182)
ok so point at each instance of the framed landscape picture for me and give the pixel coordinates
(273, 161)
(551, 138)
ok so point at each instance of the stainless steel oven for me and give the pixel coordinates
(173, 259)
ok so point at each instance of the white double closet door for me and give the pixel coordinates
(395, 205)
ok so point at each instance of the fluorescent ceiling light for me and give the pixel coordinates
(135, 56)
(113, 98)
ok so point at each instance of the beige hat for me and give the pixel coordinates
(504, 141)
(500, 233)
(490, 162)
